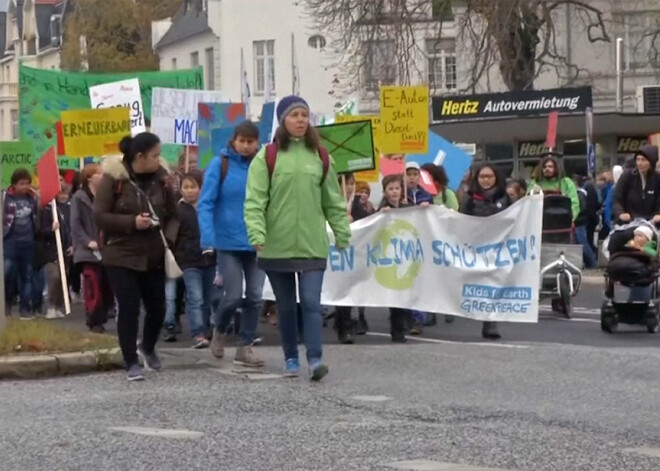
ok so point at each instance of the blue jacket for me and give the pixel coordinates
(419, 196)
(220, 206)
(608, 204)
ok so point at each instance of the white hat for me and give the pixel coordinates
(644, 231)
(414, 165)
(617, 170)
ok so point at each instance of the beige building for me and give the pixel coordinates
(31, 33)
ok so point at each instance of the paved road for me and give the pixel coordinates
(559, 395)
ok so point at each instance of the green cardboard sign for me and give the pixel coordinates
(351, 145)
(14, 155)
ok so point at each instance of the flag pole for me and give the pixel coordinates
(293, 67)
(60, 259)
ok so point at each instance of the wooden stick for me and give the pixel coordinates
(405, 183)
(60, 260)
(187, 167)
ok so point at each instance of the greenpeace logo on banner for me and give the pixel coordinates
(492, 299)
(524, 103)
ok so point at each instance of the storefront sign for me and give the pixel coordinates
(525, 103)
(532, 149)
(628, 145)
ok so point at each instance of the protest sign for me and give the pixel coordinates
(174, 113)
(438, 260)
(367, 175)
(211, 117)
(49, 177)
(16, 154)
(392, 167)
(454, 160)
(125, 93)
(44, 94)
(94, 132)
(350, 145)
(267, 123)
(404, 112)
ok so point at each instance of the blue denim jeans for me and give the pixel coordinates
(19, 260)
(234, 266)
(590, 258)
(199, 292)
(284, 288)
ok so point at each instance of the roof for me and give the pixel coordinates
(501, 130)
(44, 10)
(185, 25)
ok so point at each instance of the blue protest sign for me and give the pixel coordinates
(442, 152)
(267, 123)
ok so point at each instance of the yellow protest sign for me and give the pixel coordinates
(93, 133)
(367, 175)
(404, 112)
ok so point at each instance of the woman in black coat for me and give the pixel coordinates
(487, 196)
(637, 193)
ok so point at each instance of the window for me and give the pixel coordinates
(173, 63)
(210, 69)
(380, 64)
(317, 42)
(640, 41)
(194, 59)
(442, 64)
(264, 60)
(14, 125)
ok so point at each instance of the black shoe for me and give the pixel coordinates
(489, 331)
(170, 334)
(362, 327)
(449, 319)
(399, 338)
(97, 329)
(346, 334)
(150, 360)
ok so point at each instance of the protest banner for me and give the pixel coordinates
(211, 117)
(438, 260)
(16, 154)
(370, 176)
(44, 94)
(267, 123)
(404, 112)
(453, 159)
(174, 113)
(122, 94)
(351, 145)
(94, 132)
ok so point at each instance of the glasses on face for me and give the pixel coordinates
(486, 176)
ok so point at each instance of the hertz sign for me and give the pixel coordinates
(525, 103)
(630, 145)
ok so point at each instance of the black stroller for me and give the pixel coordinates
(633, 269)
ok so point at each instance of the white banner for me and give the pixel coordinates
(437, 260)
(174, 113)
(125, 93)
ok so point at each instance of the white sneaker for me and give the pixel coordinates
(60, 314)
(52, 313)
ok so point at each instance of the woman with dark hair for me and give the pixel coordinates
(292, 190)
(516, 189)
(487, 196)
(445, 197)
(133, 203)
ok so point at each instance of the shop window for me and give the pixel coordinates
(499, 151)
(575, 147)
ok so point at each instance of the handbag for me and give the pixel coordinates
(172, 269)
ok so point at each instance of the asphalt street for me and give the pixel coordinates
(557, 395)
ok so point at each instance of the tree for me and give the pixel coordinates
(105, 41)
(517, 36)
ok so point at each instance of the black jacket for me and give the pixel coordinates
(631, 198)
(188, 249)
(47, 236)
(477, 205)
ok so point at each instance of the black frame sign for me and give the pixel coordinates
(525, 103)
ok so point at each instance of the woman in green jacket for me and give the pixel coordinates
(292, 190)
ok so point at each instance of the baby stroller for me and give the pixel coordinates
(560, 276)
(635, 270)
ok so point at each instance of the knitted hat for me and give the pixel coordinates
(288, 104)
(644, 231)
(362, 186)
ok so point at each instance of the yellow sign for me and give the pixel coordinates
(93, 133)
(367, 175)
(404, 112)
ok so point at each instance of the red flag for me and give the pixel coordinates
(60, 138)
(426, 182)
(392, 167)
(49, 177)
(551, 137)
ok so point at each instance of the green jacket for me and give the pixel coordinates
(567, 188)
(450, 201)
(650, 248)
(287, 214)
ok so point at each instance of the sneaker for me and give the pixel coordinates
(76, 298)
(257, 341)
(449, 319)
(26, 316)
(399, 338)
(170, 334)
(52, 314)
(218, 344)
(200, 342)
(291, 368)
(150, 360)
(97, 329)
(245, 356)
(317, 370)
(362, 327)
(417, 328)
(489, 331)
(135, 373)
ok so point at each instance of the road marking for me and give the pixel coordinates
(375, 398)
(453, 342)
(262, 376)
(159, 432)
(576, 310)
(425, 465)
(574, 319)
(644, 450)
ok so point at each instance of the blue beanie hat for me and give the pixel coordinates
(288, 104)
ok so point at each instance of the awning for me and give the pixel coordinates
(488, 131)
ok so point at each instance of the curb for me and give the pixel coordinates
(59, 364)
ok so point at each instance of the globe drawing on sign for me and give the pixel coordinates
(398, 255)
